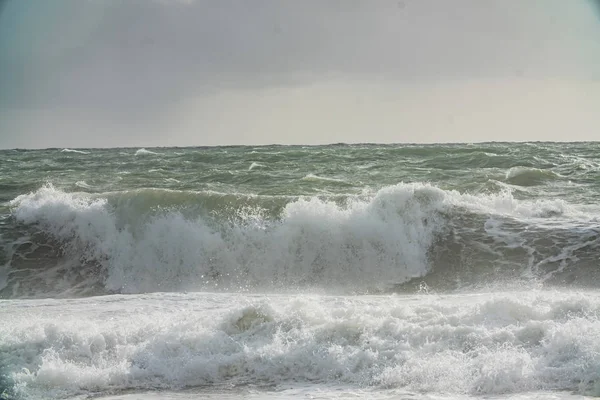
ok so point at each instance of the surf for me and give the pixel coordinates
(396, 238)
(469, 345)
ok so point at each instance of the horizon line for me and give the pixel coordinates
(308, 145)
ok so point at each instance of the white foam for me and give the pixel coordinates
(255, 165)
(371, 242)
(505, 204)
(313, 177)
(383, 240)
(480, 345)
(144, 152)
(83, 184)
(74, 151)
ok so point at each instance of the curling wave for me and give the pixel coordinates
(162, 240)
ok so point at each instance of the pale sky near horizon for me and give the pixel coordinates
(108, 73)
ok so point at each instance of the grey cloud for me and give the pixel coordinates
(139, 55)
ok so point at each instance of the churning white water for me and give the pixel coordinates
(331, 272)
(270, 346)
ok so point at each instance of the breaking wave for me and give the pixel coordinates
(74, 151)
(144, 152)
(398, 238)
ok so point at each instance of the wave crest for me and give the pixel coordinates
(149, 240)
(74, 151)
(524, 176)
(310, 243)
(144, 152)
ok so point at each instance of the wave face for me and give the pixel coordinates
(400, 238)
(327, 218)
(127, 242)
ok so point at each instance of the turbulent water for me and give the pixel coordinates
(340, 271)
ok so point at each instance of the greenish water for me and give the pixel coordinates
(566, 169)
(281, 217)
(342, 271)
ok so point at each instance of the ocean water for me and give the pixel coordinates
(467, 271)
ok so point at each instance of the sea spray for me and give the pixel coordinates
(476, 344)
(312, 243)
(157, 240)
(188, 274)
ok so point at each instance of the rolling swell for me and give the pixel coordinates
(398, 238)
(530, 176)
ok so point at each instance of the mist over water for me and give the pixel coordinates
(377, 270)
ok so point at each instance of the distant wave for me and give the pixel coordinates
(526, 176)
(313, 177)
(493, 346)
(255, 165)
(83, 184)
(74, 151)
(144, 152)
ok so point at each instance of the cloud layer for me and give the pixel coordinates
(133, 66)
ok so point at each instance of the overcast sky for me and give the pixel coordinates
(104, 73)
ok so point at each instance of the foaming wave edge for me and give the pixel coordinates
(152, 240)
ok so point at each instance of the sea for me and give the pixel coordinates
(366, 271)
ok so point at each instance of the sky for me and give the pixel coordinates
(112, 73)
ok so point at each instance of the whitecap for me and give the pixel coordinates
(144, 152)
(74, 151)
(255, 165)
(313, 177)
(83, 184)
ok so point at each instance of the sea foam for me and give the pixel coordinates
(74, 151)
(313, 242)
(144, 152)
(477, 344)
(367, 242)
